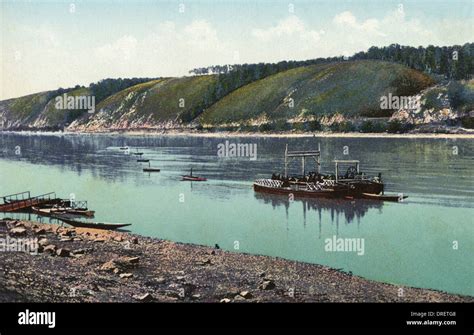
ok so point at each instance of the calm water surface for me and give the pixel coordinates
(408, 243)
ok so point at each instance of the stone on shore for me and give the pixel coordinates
(50, 248)
(130, 260)
(267, 285)
(17, 231)
(238, 297)
(109, 266)
(40, 231)
(126, 275)
(246, 294)
(43, 242)
(63, 252)
(147, 297)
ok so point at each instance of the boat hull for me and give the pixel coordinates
(325, 193)
(188, 178)
(151, 170)
(359, 187)
(395, 198)
(61, 211)
(104, 226)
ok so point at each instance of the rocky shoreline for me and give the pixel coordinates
(90, 265)
(467, 133)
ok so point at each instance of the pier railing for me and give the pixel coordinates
(18, 201)
(77, 204)
(16, 197)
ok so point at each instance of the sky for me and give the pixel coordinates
(50, 44)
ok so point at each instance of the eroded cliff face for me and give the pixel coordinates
(121, 115)
(435, 106)
(23, 112)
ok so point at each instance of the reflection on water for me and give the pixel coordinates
(336, 208)
(407, 243)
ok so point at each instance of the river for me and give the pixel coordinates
(426, 241)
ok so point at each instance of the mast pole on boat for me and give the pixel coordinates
(319, 155)
(286, 161)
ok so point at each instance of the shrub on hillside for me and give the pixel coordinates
(367, 127)
(468, 122)
(460, 96)
(282, 125)
(345, 127)
(395, 126)
(265, 127)
(299, 126)
(370, 126)
(314, 125)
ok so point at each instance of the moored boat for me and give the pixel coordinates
(94, 225)
(384, 197)
(353, 184)
(300, 190)
(137, 153)
(151, 169)
(190, 177)
(53, 210)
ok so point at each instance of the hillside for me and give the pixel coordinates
(159, 103)
(348, 88)
(323, 93)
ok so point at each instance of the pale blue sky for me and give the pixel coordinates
(45, 45)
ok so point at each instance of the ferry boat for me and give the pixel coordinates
(348, 184)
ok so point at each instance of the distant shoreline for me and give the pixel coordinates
(225, 134)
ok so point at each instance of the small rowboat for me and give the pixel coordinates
(82, 212)
(124, 148)
(45, 211)
(151, 170)
(137, 153)
(143, 160)
(94, 225)
(50, 211)
(383, 197)
(190, 177)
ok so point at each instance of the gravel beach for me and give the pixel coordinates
(90, 265)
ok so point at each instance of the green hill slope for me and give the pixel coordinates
(348, 88)
(153, 104)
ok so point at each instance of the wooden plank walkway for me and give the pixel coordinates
(23, 200)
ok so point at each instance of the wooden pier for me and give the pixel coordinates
(24, 201)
